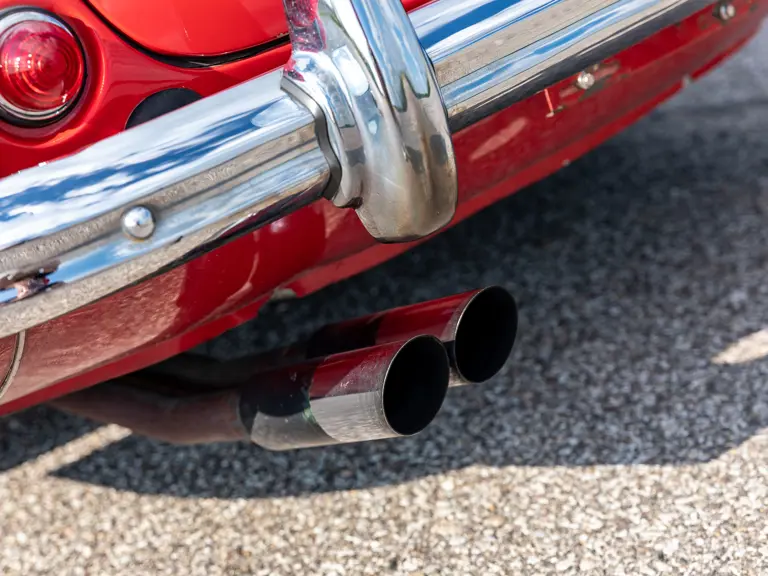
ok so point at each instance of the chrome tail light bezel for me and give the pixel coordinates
(32, 118)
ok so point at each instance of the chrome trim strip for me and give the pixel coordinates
(492, 26)
(18, 353)
(511, 76)
(11, 112)
(251, 154)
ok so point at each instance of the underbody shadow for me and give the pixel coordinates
(29, 434)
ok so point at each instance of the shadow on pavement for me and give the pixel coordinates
(32, 433)
(633, 267)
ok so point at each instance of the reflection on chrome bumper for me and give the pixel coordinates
(241, 158)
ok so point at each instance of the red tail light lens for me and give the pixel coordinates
(42, 68)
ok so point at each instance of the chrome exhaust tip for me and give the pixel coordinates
(482, 338)
(415, 385)
(385, 391)
(478, 329)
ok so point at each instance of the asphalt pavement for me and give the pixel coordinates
(627, 435)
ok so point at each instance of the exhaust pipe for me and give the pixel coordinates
(386, 391)
(142, 405)
(477, 327)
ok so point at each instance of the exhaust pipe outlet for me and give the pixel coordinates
(385, 391)
(481, 335)
(478, 329)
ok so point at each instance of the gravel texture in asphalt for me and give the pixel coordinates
(625, 436)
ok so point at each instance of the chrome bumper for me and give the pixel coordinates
(360, 116)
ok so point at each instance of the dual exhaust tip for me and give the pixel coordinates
(484, 336)
(385, 391)
(381, 376)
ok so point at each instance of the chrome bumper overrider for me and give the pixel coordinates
(360, 115)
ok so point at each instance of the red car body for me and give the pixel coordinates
(130, 56)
